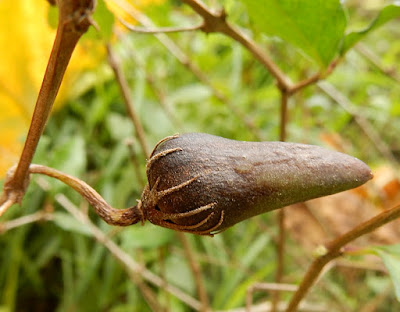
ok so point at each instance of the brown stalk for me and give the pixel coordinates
(74, 20)
(216, 22)
(164, 30)
(113, 216)
(137, 168)
(362, 122)
(41, 215)
(268, 287)
(187, 62)
(196, 269)
(123, 84)
(121, 80)
(151, 81)
(374, 59)
(335, 248)
(131, 265)
(281, 213)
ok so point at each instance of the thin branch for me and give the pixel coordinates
(35, 217)
(335, 249)
(216, 22)
(158, 92)
(266, 307)
(75, 17)
(271, 287)
(131, 265)
(196, 269)
(314, 78)
(141, 30)
(363, 123)
(147, 292)
(368, 54)
(284, 115)
(120, 77)
(280, 259)
(281, 213)
(121, 217)
(186, 61)
(135, 162)
(304, 83)
(7, 204)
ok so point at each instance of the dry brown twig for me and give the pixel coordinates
(123, 84)
(35, 217)
(271, 287)
(164, 30)
(335, 248)
(362, 122)
(196, 269)
(185, 60)
(140, 133)
(217, 22)
(152, 83)
(132, 266)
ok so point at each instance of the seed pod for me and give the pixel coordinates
(203, 184)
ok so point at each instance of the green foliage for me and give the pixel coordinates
(390, 256)
(315, 27)
(58, 265)
(387, 14)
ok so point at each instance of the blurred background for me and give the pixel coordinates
(189, 82)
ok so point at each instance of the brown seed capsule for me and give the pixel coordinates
(203, 184)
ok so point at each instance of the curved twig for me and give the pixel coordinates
(334, 249)
(121, 217)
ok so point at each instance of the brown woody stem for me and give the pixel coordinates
(123, 84)
(281, 213)
(334, 250)
(121, 217)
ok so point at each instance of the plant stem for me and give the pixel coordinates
(362, 122)
(164, 30)
(185, 60)
(121, 217)
(281, 213)
(123, 84)
(334, 249)
(74, 20)
(127, 261)
(216, 22)
(196, 269)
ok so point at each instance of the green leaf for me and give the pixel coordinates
(388, 13)
(120, 127)
(70, 156)
(390, 256)
(178, 273)
(148, 236)
(70, 224)
(315, 27)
